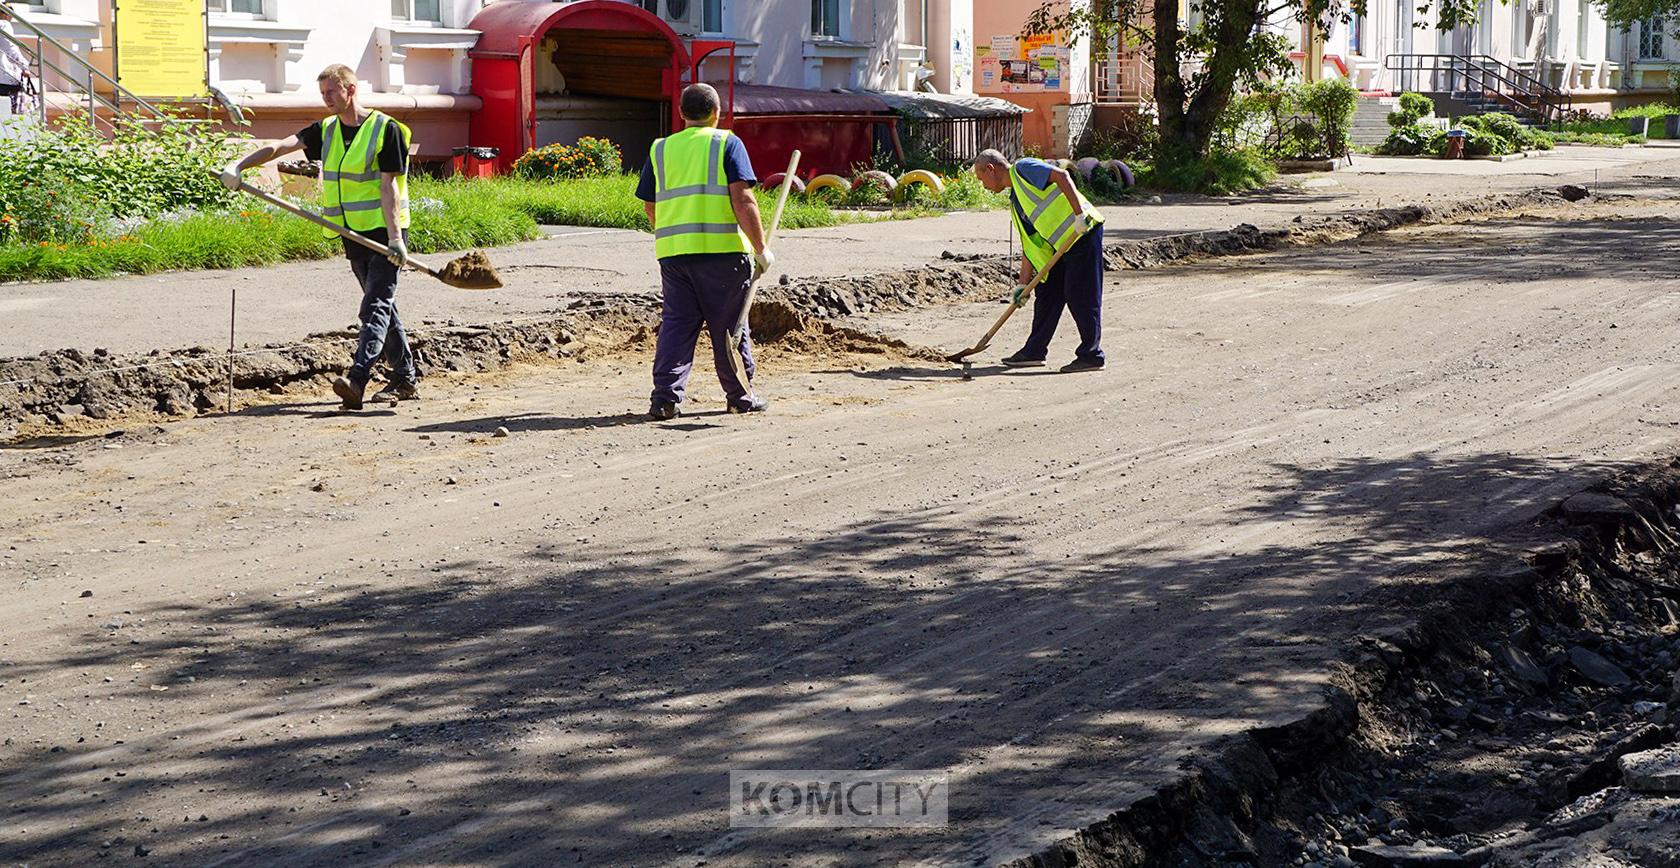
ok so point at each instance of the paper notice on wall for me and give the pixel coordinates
(161, 47)
(1036, 64)
(961, 59)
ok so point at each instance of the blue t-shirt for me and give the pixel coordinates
(736, 167)
(1036, 173)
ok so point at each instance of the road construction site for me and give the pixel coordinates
(513, 623)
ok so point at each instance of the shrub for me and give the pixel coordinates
(1413, 139)
(1480, 141)
(1413, 108)
(144, 171)
(591, 157)
(51, 209)
(1133, 137)
(1332, 103)
(1218, 173)
(964, 192)
(1504, 126)
(1650, 110)
(1300, 121)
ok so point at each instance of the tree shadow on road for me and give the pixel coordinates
(571, 703)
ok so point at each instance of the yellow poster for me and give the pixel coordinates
(161, 47)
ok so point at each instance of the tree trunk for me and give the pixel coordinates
(1188, 121)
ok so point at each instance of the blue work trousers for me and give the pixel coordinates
(702, 289)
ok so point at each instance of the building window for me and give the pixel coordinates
(1651, 39)
(243, 7)
(825, 18)
(417, 10)
(712, 17)
(1356, 35)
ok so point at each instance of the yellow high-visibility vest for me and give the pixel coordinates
(1050, 217)
(350, 175)
(692, 211)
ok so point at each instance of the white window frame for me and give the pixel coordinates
(1652, 27)
(421, 22)
(842, 22)
(227, 12)
(723, 18)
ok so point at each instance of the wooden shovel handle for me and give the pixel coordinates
(324, 223)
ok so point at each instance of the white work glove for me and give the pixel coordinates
(762, 262)
(230, 176)
(399, 251)
(1087, 222)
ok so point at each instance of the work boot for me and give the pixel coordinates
(1022, 360)
(659, 410)
(350, 391)
(749, 404)
(395, 392)
(1082, 363)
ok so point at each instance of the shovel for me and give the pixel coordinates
(1010, 310)
(472, 271)
(746, 308)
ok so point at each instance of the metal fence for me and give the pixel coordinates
(959, 140)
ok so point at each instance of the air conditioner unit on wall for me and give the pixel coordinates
(686, 17)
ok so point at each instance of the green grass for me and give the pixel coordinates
(447, 215)
(1603, 140)
(1220, 173)
(202, 241)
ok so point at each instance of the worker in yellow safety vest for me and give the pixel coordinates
(364, 187)
(697, 187)
(1050, 213)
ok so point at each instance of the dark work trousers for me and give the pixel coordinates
(382, 331)
(701, 289)
(1076, 283)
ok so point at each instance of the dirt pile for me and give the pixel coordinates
(1525, 718)
(472, 271)
(778, 327)
(69, 388)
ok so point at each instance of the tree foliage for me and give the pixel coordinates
(1227, 45)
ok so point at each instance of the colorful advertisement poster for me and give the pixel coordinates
(1034, 64)
(161, 47)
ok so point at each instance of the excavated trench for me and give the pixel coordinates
(1525, 716)
(74, 391)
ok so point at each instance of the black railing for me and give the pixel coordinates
(959, 140)
(1482, 78)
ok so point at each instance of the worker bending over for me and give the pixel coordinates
(1048, 212)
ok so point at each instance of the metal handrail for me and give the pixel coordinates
(91, 69)
(1520, 89)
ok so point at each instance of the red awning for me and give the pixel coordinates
(507, 26)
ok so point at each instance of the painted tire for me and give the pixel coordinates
(876, 177)
(1121, 172)
(827, 182)
(1085, 166)
(923, 177)
(1067, 165)
(774, 182)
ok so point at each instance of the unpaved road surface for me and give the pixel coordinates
(392, 638)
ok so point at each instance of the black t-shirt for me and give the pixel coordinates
(393, 157)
